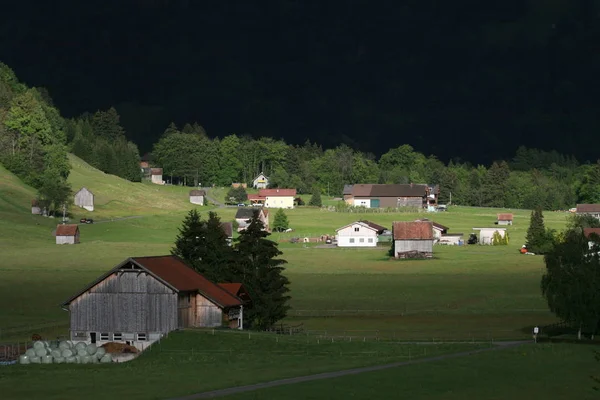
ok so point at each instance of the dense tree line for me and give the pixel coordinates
(100, 140)
(531, 179)
(33, 140)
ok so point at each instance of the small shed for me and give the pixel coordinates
(243, 215)
(413, 239)
(156, 176)
(505, 219)
(67, 234)
(452, 239)
(261, 181)
(35, 207)
(197, 197)
(84, 198)
(486, 235)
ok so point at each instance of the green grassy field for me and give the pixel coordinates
(196, 361)
(465, 293)
(545, 371)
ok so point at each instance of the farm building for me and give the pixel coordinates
(35, 207)
(228, 229)
(143, 298)
(394, 196)
(438, 229)
(260, 182)
(67, 234)
(356, 234)
(588, 209)
(156, 176)
(243, 215)
(84, 199)
(197, 197)
(274, 198)
(452, 239)
(505, 219)
(486, 234)
(413, 239)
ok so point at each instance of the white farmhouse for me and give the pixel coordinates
(356, 234)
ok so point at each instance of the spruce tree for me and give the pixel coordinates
(539, 240)
(203, 246)
(315, 199)
(280, 222)
(262, 274)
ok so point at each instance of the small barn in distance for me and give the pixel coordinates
(143, 298)
(505, 219)
(243, 215)
(260, 182)
(589, 209)
(84, 198)
(67, 234)
(35, 207)
(486, 235)
(413, 239)
(156, 176)
(197, 197)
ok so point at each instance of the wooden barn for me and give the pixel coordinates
(413, 239)
(143, 298)
(505, 219)
(35, 207)
(67, 234)
(197, 197)
(84, 199)
(156, 176)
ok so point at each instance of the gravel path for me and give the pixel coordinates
(327, 375)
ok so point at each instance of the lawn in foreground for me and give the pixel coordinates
(544, 371)
(195, 361)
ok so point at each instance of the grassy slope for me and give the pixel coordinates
(178, 366)
(531, 371)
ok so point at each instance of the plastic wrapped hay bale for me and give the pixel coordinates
(91, 349)
(86, 359)
(67, 353)
(80, 346)
(47, 360)
(59, 360)
(35, 360)
(38, 345)
(100, 352)
(41, 352)
(94, 359)
(106, 358)
(30, 353)
(71, 360)
(78, 359)
(82, 352)
(24, 359)
(56, 353)
(53, 345)
(64, 345)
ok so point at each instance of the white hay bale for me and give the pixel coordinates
(24, 359)
(91, 349)
(66, 353)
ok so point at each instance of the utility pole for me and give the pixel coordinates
(450, 203)
(64, 213)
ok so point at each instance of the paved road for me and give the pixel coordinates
(327, 375)
(114, 219)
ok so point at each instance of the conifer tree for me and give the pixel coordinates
(280, 222)
(315, 199)
(539, 240)
(187, 244)
(262, 274)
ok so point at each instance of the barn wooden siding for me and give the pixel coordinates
(207, 313)
(67, 239)
(410, 202)
(421, 246)
(197, 200)
(127, 301)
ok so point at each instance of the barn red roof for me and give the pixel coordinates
(67, 230)
(418, 230)
(588, 208)
(176, 273)
(505, 217)
(255, 197)
(236, 289)
(588, 231)
(156, 171)
(276, 192)
(197, 192)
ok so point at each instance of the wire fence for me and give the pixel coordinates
(299, 313)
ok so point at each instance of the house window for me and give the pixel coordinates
(104, 336)
(356, 229)
(141, 337)
(370, 240)
(351, 240)
(361, 240)
(117, 336)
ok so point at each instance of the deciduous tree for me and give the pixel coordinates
(280, 221)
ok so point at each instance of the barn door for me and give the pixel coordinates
(374, 203)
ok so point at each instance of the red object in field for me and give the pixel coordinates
(523, 250)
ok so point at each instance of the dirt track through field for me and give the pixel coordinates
(327, 375)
